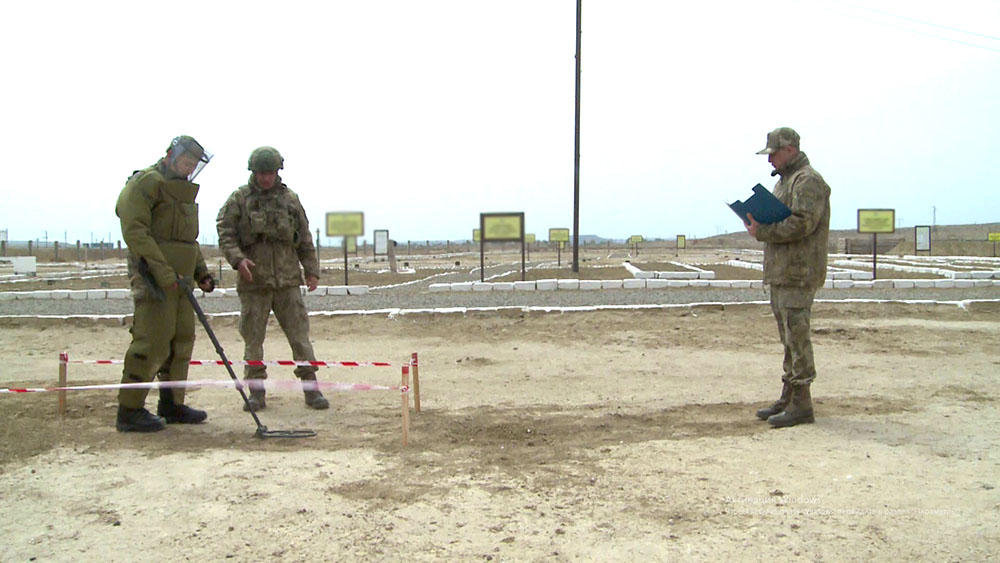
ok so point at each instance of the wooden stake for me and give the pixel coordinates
(406, 404)
(63, 368)
(416, 383)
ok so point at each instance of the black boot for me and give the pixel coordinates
(314, 399)
(779, 405)
(138, 420)
(177, 414)
(798, 411)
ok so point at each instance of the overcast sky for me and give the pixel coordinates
(422, 114)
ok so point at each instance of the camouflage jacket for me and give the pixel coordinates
(159, 220)
(796, 248)
(270, 228)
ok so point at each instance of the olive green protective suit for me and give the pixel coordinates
(159, 219)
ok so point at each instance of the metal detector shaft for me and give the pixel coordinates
(262, 431)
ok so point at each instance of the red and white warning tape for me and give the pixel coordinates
(332, 386)
(253, 363)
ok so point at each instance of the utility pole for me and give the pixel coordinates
(576, 151)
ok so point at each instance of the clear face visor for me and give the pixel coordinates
(188, 161)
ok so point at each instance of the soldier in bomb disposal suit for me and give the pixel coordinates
(159, 220)
(795, 252)
(264, 234)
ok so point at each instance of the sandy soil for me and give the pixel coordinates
(616, 435)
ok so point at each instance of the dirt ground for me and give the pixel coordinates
(615, 435)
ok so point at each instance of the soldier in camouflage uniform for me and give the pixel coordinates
(795, 252)
(264, 234)
(159, 219)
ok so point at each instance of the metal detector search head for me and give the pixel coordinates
(262, 431)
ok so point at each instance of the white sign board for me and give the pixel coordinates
(381, 242)
(923, 237)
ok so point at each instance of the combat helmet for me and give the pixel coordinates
(265, 159)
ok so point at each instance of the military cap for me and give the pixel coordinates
(780, 137)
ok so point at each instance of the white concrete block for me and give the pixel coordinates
(461, 286)
(678, 283)
(687, 275)
(97, 294)
(482, 286)
(524, 286)
(568, 284)
(632, 269)
(944, 284)
(656, 284)
(24, 265)
(547, 285)
(843, 284)
(503, 286)
(7, 296)
(357, 290)
(882, 284)
(62, 293)
(840, 276)
(698, 283)
(119, 293)
(963, 283)
(438, 287)
(961, 276)
(923, 283)
(982, 274)
(77, 294)
(863, 284)
(336, 290)
(634, 284)
(862, 275)
(983, 283)
(590, 285)
(902, 284)
(740, 284)
(757, 284)
(828, 284)
(644, 275)
(720, 284)
(43, 294)
(611, 284)
(706, 275)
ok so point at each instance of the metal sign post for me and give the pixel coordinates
(559, 236)
(500, 227)
(995, 237)
(876, 221)
(345, 224)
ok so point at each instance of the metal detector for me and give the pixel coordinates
(262, 431)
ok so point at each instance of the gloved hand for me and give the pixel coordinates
(207, 283)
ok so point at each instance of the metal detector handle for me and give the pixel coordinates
(186, 286)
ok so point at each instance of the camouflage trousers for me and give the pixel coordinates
(290, 311)
(162, 341)
(792, 308)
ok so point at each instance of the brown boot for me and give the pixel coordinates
(779, 405)
(256, 400)
(798, 411)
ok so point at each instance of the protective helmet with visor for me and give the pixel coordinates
(186, 157)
